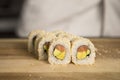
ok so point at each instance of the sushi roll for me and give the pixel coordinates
(42, 46)
(31, 39)
(59, 51)
(38, 38)
(83, 51)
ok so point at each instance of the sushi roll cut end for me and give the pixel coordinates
(82, 52)
(59, 52)
(46, 47)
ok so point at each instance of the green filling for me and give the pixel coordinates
(46, 47)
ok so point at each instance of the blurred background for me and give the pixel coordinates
(96, 18)
(10, 11)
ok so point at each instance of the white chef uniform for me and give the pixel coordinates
(91, 18)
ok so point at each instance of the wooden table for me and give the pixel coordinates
(17, 64)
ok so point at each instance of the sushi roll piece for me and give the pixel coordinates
(42, 46)
(38, 38)
(59, 51)
(83, 51)
(31, 39)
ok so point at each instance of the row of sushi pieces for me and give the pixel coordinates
(60, 47)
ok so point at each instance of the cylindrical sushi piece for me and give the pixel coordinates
(59, 51)
(31, 39)
(83, 51)
(42, 46)
(37, 40)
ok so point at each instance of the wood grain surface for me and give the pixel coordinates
(17, 64)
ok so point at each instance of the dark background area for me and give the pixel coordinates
(10, 11)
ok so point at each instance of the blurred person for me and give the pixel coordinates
(95, 18)
(9, 16)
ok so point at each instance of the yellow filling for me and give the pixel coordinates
(58, 54)
(83, 54)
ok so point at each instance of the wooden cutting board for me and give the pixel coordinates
(17, 64)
